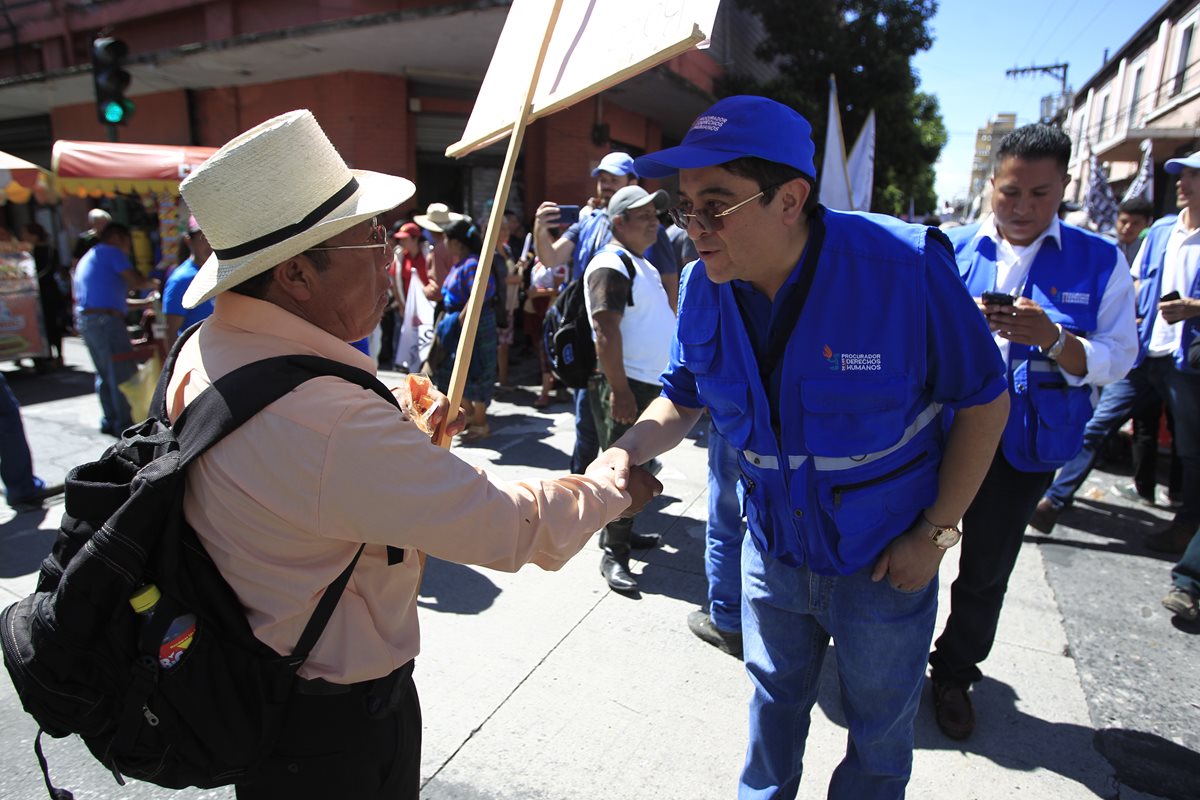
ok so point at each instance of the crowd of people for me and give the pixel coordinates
(854, 438)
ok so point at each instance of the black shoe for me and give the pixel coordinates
(645, 541)
(34, 501)
(616, 572)
(1044, 516)
(953, 710)
(701, 624)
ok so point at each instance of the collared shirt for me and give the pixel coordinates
(1179, 267)
(282, 503)
(98, 282)
(1112, 347)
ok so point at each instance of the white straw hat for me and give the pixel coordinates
(437, 217)
(272, 193)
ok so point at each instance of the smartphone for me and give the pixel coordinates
(997, 298)
(568, 215)
(1168, 297)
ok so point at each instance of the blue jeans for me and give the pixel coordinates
(1182, 393)
(723, 535)
(587, 441)
(16, 464)
(105, 337)
(882, 637)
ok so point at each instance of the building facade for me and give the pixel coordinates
(391, 81)
(983, 163)
(1148, 89)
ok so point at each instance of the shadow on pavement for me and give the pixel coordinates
(23, 545)
(676, 568)
(58, 384)
(455, 589)
(1149, 763)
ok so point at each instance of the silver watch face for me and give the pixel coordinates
(945, 537)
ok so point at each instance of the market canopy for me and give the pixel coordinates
(20, 180)
(83, 168)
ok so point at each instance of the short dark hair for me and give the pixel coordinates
(1138, 206)
(1035, 142)
(256, 285)
(770, 175)
(112, 230)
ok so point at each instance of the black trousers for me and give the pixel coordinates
(993, 528)
(360, 741)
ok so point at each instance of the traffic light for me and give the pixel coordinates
(111, 79)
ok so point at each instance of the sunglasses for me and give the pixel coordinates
(682, 215)
(379, 239)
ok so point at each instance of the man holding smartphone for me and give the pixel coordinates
(1059, 302)
(1168, 272)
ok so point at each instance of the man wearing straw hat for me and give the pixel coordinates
(435, 219)
(282, 503)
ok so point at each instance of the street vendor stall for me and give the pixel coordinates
(22, 331)
(151, 172)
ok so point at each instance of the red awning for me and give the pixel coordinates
(85, 167)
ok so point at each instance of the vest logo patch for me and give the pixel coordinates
(852, 362)
(1076, 298)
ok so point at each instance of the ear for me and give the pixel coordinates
(295, 279)
(792, 196)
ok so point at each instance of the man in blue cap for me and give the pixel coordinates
(863, 420)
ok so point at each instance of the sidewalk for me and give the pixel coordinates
(548, 685)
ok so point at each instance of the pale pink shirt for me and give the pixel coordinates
(282, 503)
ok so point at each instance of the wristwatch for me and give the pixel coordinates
(941, 537)
(1055, 350)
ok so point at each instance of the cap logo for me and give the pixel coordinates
(709, 123)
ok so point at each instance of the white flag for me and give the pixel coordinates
(416, 328)
(835, 179)
(862, 166)
(1143, 184)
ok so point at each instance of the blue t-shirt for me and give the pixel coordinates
(963, 369)
(172, 296)
(456, 291)
(98, 282)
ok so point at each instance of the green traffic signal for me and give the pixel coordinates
(115, 112)
(110, 80)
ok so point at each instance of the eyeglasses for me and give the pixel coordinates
(378, 240)
(708, 220)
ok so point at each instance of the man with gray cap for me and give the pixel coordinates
(829, 349)
(283, 503)
(632, 323)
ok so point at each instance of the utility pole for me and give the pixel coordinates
(1052, 112)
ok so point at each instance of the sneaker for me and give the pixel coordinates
(1127, 491)
(1182, 604)
(1172, 539)
(953, 710)
(701, 624)
(1044, 516)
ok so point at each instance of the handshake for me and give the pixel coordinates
(614, 467)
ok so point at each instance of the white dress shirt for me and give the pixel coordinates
(1179, 268)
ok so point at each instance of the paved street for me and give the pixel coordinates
(547, 685)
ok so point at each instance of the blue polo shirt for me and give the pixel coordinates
(98, 282)
(172, 296)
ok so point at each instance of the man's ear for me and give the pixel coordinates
(792, 197)
(295, 279)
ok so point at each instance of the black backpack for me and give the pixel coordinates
(567, 332)
(84, 662)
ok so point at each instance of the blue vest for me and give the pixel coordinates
(1047, 416)
(1150, 290)
(857, 454)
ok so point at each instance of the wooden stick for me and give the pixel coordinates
(469, 320)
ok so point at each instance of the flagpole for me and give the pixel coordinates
(470, 318)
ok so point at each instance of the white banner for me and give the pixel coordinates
(862, 166)
(415, 334)
(835, 179)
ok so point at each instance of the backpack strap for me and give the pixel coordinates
(629, 270)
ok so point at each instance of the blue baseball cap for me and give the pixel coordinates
(1175, 165)
(617, 164)
(736, 127)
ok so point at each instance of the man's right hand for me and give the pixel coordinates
(611, 465)
(643, 487)
(547, 214)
